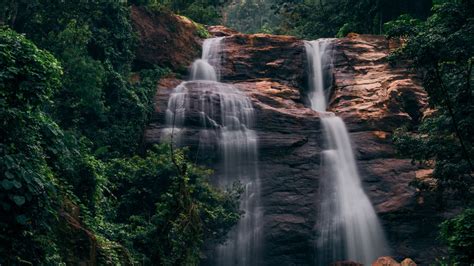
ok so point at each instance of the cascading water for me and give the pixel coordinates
(207, 68)
(348, 227)
(238, 149)
(317, 62)
(226, 116)
(202, 69)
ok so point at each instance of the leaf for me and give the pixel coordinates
(101, 150)
(7, 184)
(9, 175)
(53, 150)
(16, 184)
(19, 200)
(21, 219)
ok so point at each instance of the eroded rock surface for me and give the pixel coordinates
(263, 56)
(219, 31)
(369, 93)
(373, 97)
(164, 39)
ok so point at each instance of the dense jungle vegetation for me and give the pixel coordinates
(72, 125)
(73, 119)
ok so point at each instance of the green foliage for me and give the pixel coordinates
(316, 19)
(403, 26)
(163, 214)
(202, 11)
(313, 19)
(111, 253)
(458, 234)
(110, 38)
(81, 101)
(202, 31)
(70, 136)
(441, 49)
(29, 75)
(28, 78)
(94, 42)
(345, 29)
(252, 16)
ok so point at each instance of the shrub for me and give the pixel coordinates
(458, 234)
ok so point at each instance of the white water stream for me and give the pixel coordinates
(226, 116)
(348, 227)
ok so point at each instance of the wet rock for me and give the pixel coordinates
(259, 56)
(289, 140)
(373, 97)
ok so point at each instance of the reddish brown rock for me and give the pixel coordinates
(164, 39)
(385, 261)
(289, 146)
(373, 97)
(389, 261)
(263, 56)
(407, 262)
(369, 92)
(220, 31)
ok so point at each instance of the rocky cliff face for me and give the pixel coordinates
(373, 97)
(164, 39)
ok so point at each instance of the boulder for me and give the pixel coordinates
(407, 262)
(389, 261)
(385, 261)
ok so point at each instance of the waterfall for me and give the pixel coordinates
(208, 67)
(202, 69)
(238, 149)
(226, 117)
(317, 60)
(348, 227)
